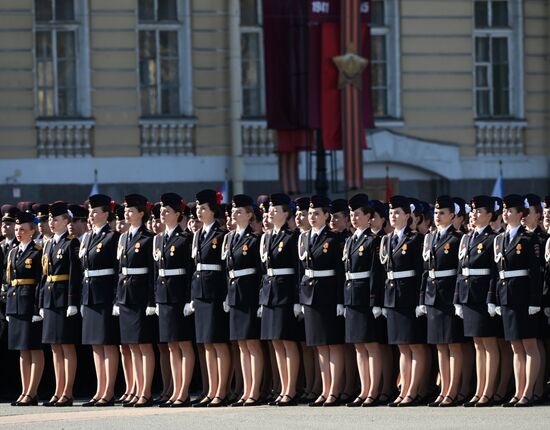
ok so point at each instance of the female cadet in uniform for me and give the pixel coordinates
(135, 301)
(401, 255)
(476, 278)
(279, 295)
(363, 298)
(519, 295)
(208, 292)
(173, 270)
(241, 252)
(322, 296)
(59, 301)
(99, 329)
(23, 273)
(445, 328)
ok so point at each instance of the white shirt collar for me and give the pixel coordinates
(23, 247)
(96, 230)
(317, 232)
(358, 233)
(58, 236)
(206, 228)
(443, 232)
(512, 231)
(133, 230)
(479, 230)
(239, 232)
(168, 232)
(399, 233)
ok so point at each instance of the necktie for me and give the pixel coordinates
(394, 240)
(506, 240)
(476, 234)
(314, 238)
(19, 252)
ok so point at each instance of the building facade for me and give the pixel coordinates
(169, 94)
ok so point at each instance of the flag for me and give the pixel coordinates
(95, 186)
(224, 190)
(498, 188)
(389, 192)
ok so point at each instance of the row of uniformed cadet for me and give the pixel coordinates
(382, 284)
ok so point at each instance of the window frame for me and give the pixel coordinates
(183, 28)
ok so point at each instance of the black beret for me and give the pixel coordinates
(241, 201)
(78, 212)
(263, 202)
(400, 202)
(192, 206)
(208, 196)
(484, 202)
(340, 205)
(135, 200)
(41, 210)
(547, 202)
(498, 204)
(417, 205)
(155, 210)
(257, 212)
(533, 199)
(461, 205)
(26, 207)
(23, 217)
(119, 212)
(99, 200)
(358, 201)
(445, 202)
(9, 213)
(302, 203)
(515, 201)
(58, 208)
(174, 201)
(379, 207)
(279, 199)
(319, 202)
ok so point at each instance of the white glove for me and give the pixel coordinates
(533, 310)
(497, 310)
(303, 310)
(225, 307)
(459, 311)
(116, 311)
(297, 309)
(420, 310)
(37, 318)
(7, 318)
(340, 310)
(260, 311)
(384, 312)
(547, 312)
(81, 309)
(157, 309)
(491, 308)
(150, 311)
(41, 313)
(188, 309)
(376, 311)
(72, 310)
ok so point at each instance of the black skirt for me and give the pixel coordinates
(478, 322)
(444, 326)
(404, 328)
(323, 327)
(279, 323)
(135, 326)
(211, 321)
(60, 329)
(23, 334)
(244, 323)
(173, 325)
(518, 324)
(99, 326)
(362, 327)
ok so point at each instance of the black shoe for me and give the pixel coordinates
(221, 403)
(146, 404)
(490, 402)
(511, 403)
(356, 403)
(159, 400)
(32, 402)
(472, 402)
(122, 399)
(182, 403)
(203, 403)
(258, 402)
(89, 403)
(166, 404)
(317, 403)
(276, 401)
(103, 402)
(64, 401)
(290, 401)
(450, 404)
(396, 402)
(413, 402)
(49, 403)
(331, 404)
(238, 403)
(526, 404)
(373, 403)
(344, 398)
(436, 402)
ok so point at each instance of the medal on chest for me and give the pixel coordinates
(361, 250)
(28, 263)
(214, 243)
(325, 247)
(404, 249)
(98, 247)
(446, 248)
(518, 249)
(137, 247)
(172, 250)
(245, 249)
(59, 254)
(480, 248)
(281, 244)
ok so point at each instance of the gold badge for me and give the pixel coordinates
(28, 263)
(245, 249)
(479, 248)
(137, 246)
(281, 244)
(361, 249)
(518, 248)
(172, 249)
(446, 248)
(98, 247)
(214, 243)
(325, 247)
(404, 249)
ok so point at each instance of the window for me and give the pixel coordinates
(62, 75)
(497, 59)
(164, 60)
(253, 94)
(385, 59)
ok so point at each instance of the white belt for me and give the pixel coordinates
(401, 275)
(97, 273)
(505, 274)
(243, 272)
(350, 276)
(171, 272)
(319, 273)
(280, 272)
(135, 270)
(434, 274)
(208, 267)
(466, 271)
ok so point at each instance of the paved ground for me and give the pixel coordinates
(265, 417)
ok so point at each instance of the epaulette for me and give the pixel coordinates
(37, 247)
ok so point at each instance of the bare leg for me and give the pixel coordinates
(257, 365)
(292, 358)
(532, 368)
(147, 358)
(280, 357)
(324, 364)
(519, 367)
(69, 367)
(37, 368)
(375, 368)
(491, 365)
(57, 358)
(336, 367)
(127, 368)
(363, 368)
(506, 368)
(223, 367)
(246, 369)
(481, 368)
(350, 367)
(25, 369)
(176, 365)
(165, 371)
(110, 365)
(99, 362)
